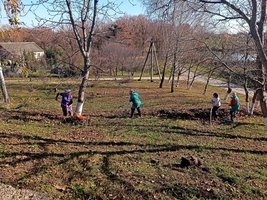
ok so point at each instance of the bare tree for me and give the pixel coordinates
(82, 17)
(210, 72)
(3, 86)
(12, 8)
(253, 14)
(185, 24)
(250, 13)
(115, 56)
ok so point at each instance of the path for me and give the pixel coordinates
(222, 84)
(202, 79)
(10, 193)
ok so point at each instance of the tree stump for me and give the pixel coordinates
(190, 161)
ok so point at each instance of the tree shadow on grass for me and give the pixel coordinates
(185, 131)
(33, 139)
(31, 116)
(184, 192)
(30, 156)
(106, 149)
(129, 188)
(142, 148)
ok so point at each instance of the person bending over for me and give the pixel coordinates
(66, 102)
(136, 102)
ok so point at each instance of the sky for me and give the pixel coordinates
(132, 7)
(129, 7)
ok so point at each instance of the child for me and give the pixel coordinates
(235, 105)
(216, 103)
(136, 102)
(66, 102)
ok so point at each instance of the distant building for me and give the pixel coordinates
(9, 50)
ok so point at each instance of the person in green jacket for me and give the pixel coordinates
(235, 105)
(136, 102)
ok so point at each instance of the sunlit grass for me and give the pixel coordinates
(116, 157)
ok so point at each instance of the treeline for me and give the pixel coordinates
(120, 47)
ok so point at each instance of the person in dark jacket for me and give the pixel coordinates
(136, 102)
(66, 102)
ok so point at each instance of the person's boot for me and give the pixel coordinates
(132, 112)
(139, 112)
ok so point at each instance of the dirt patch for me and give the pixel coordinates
(201, 114)
(198, 114)
(119, 114)
(191, 114)
(43, 117)
(31, 116)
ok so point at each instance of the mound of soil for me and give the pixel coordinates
(197, 114)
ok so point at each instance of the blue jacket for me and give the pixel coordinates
(135, 99)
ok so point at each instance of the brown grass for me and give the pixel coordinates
(115, 157)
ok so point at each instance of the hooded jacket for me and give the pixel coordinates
(135, 99)
(235, 104)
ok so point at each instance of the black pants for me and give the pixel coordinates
(232, 115)
(214, 112)
(138, 110)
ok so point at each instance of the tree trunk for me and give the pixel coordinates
(254, 99)
(256, 30)
(263, 106)
(206, 86)
(164, 70)
(144, 65)
(174, 66)
(170, 76)
(208, 81)
(152, 67)
(156, 59)
(83, 85)
(188, 77)
(229, 90)
(247, 95)
(193, 79)
(3, 86)
(191, 83)
(173, 72)
(178, 78)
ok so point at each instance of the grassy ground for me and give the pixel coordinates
(115, 157)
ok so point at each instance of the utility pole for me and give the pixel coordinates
(153, 56)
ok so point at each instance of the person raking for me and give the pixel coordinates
(136, 102)
(66, 102)
(235, 106)
(216, 103)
